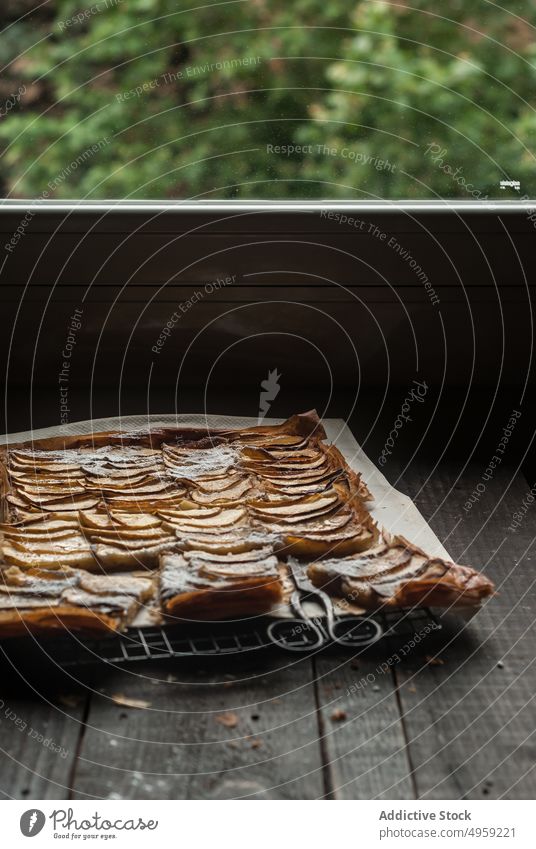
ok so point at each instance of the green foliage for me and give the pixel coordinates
(449, 107)
(357, 84)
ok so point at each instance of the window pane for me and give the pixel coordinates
(268, 99)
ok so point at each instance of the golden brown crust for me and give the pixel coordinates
(250, 597)
(303, 424)
(64, 618)
(151, 438)
(206, 585)
(70, 599)
(358, 487)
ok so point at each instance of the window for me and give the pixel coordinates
(251, 99)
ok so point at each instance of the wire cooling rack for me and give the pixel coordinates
(167, 642)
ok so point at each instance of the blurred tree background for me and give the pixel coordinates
(267, 99)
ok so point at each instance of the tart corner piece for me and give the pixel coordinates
(65, 600)
(398, 574)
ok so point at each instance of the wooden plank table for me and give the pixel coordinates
(452, 719)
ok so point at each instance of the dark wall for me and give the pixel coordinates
(337, 307)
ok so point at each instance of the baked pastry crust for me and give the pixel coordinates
(210, 516)
(397, 573)
(65, 599)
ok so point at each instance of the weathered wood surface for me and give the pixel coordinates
(453, 719)
(236, 730)
(362, 733)
(470, 717)
(41, 723)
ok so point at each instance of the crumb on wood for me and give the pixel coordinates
(126, 701)
(229, 719)
(431, 660)
(338, 715)
(70, 700)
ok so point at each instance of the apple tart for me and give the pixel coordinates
(200, 524)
